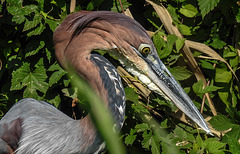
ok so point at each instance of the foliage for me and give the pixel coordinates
(28, 68)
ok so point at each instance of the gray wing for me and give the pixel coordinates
(11, 125)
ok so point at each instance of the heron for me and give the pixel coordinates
(33, 126)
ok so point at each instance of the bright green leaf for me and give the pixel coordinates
(189, 10)
(223, 75)
(185, 30)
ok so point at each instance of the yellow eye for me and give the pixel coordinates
(146, 50)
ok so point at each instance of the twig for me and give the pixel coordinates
(121, 6)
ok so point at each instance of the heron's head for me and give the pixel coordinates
(127, 40)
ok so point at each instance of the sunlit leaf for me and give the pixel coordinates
(189, 10)
(223, 75)
(185, 30)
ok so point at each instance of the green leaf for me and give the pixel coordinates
(141, 127)
(198, 87)
(185, 30)
(131, 95)
(147, 139)
(131, 137)
(159, 44)
(56, 76)
(221, 122)
(55, 101)
(40, 4)
(223, 75)
(189, 10)
(18, 19)
(207, 65)
(232, 138)
(230, 54)
(217, 43)
(33, 47)
(32, 80)
(207, 5)
(179, 44)
(199, 141)
(211, 88)
(180, 73)
(15, 3)
(125, 5)
(90, 6)
(70, 92)
(224, 97)
(155, 145)
(29, 9)
(36, 31)
(52, 24)
(31, 24)
(172, 11)
(171, 39)
(213, 146)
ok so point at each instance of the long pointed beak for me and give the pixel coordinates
(164, 80)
